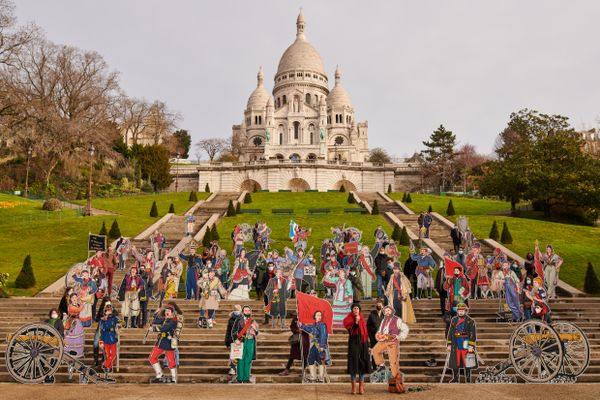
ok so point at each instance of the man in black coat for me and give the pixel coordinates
(381, 274)
(235, 314)
(456, 237)
(462, 339)
(373, 323)
(410, 269)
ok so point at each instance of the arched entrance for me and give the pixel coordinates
(250, 185)
(295, 157)
(349, 186)
(298, 185)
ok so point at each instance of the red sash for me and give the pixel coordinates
(366, 266)
(397, 286)
(245, 329)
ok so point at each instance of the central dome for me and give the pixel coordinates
(301, 54)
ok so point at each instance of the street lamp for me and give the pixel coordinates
(88, 207)
(176, 171)
(29, 152)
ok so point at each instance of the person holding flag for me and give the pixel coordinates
(318, 354)
(457, 286)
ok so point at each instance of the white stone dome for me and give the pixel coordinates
(338, 97)
(259, 97)
(301, 55)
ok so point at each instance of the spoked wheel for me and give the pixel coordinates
(33, 353)
(536, 352)
(576, 348)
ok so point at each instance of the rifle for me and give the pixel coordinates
(118, 348)
(445, 366)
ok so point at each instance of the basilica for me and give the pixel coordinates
(303, 119)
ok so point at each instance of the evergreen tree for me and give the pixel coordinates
(248, 198)
(404, 197)
(450, 209)
(351, 198)
(193, 197)
(591, 285)
(214, 234)
(408, 198)
(115, 231)
(342, 188)
(438, 154)
(238, 208)
(230, 209)
(172, 208)
(404, 239)
(207, 238)
(26, 278)
(207, 188)
(103, 230)
(396, 232)
(154, 210)
(375, 210)
(494, 234)
(429, 209)
(390, 188)
(506, 237)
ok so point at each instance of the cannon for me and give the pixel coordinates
(36, 351)
(542, 353)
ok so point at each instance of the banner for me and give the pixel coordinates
(96, 242)
(351, 248)
(450, 264)
(308, 305)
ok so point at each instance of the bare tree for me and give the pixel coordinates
(213, 146)
(12, 37)
(160, 122)
(131, 116)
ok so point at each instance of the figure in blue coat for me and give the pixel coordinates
(192, 274)
(318, 354)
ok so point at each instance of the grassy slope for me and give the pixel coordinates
(576, 244)
(57, 240)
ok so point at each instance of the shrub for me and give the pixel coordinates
(404, 197)
(591, 285)
(506, 237)
(207, 188)
(172, 209)
(408, 198)
(390, 188)
(26, 278)
(429, 209)
(207, 237)
(115, 231)
(247, 198)
(238, 208)
(396, 232)
(351, 198)
(103, 230)
(52, 205)
(214, 234)
(342, 188)
(494, 234)
(193, 197)
(450, 209)
(147, 187)
(230, 209)
(375, 210)
(154, 210)
(404, 239)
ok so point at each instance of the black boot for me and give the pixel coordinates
(455, 376)
(134, 322)
(467, 375)
(126, 322)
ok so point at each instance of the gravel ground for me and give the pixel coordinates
(263, 391)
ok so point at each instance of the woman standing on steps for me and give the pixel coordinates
(359, 362)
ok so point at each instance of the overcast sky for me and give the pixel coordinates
(408, 66)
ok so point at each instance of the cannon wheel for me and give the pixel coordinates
(34, 352)
(576, 352)
(536, 352)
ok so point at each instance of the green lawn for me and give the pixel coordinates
(56, 240)
(301, 202)
(576, 244)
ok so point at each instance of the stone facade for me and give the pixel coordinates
(303, 119)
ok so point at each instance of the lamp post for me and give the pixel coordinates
(29, 152)
(88, 206)
(176, 172)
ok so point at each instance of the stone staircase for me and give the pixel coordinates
(204, 356)
(383, 204)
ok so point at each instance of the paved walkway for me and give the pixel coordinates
(280, 392)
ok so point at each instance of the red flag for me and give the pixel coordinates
(307, 307)
(351, 248)
(450, 265)
(539, 268)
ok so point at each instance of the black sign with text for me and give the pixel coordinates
(97, 243)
